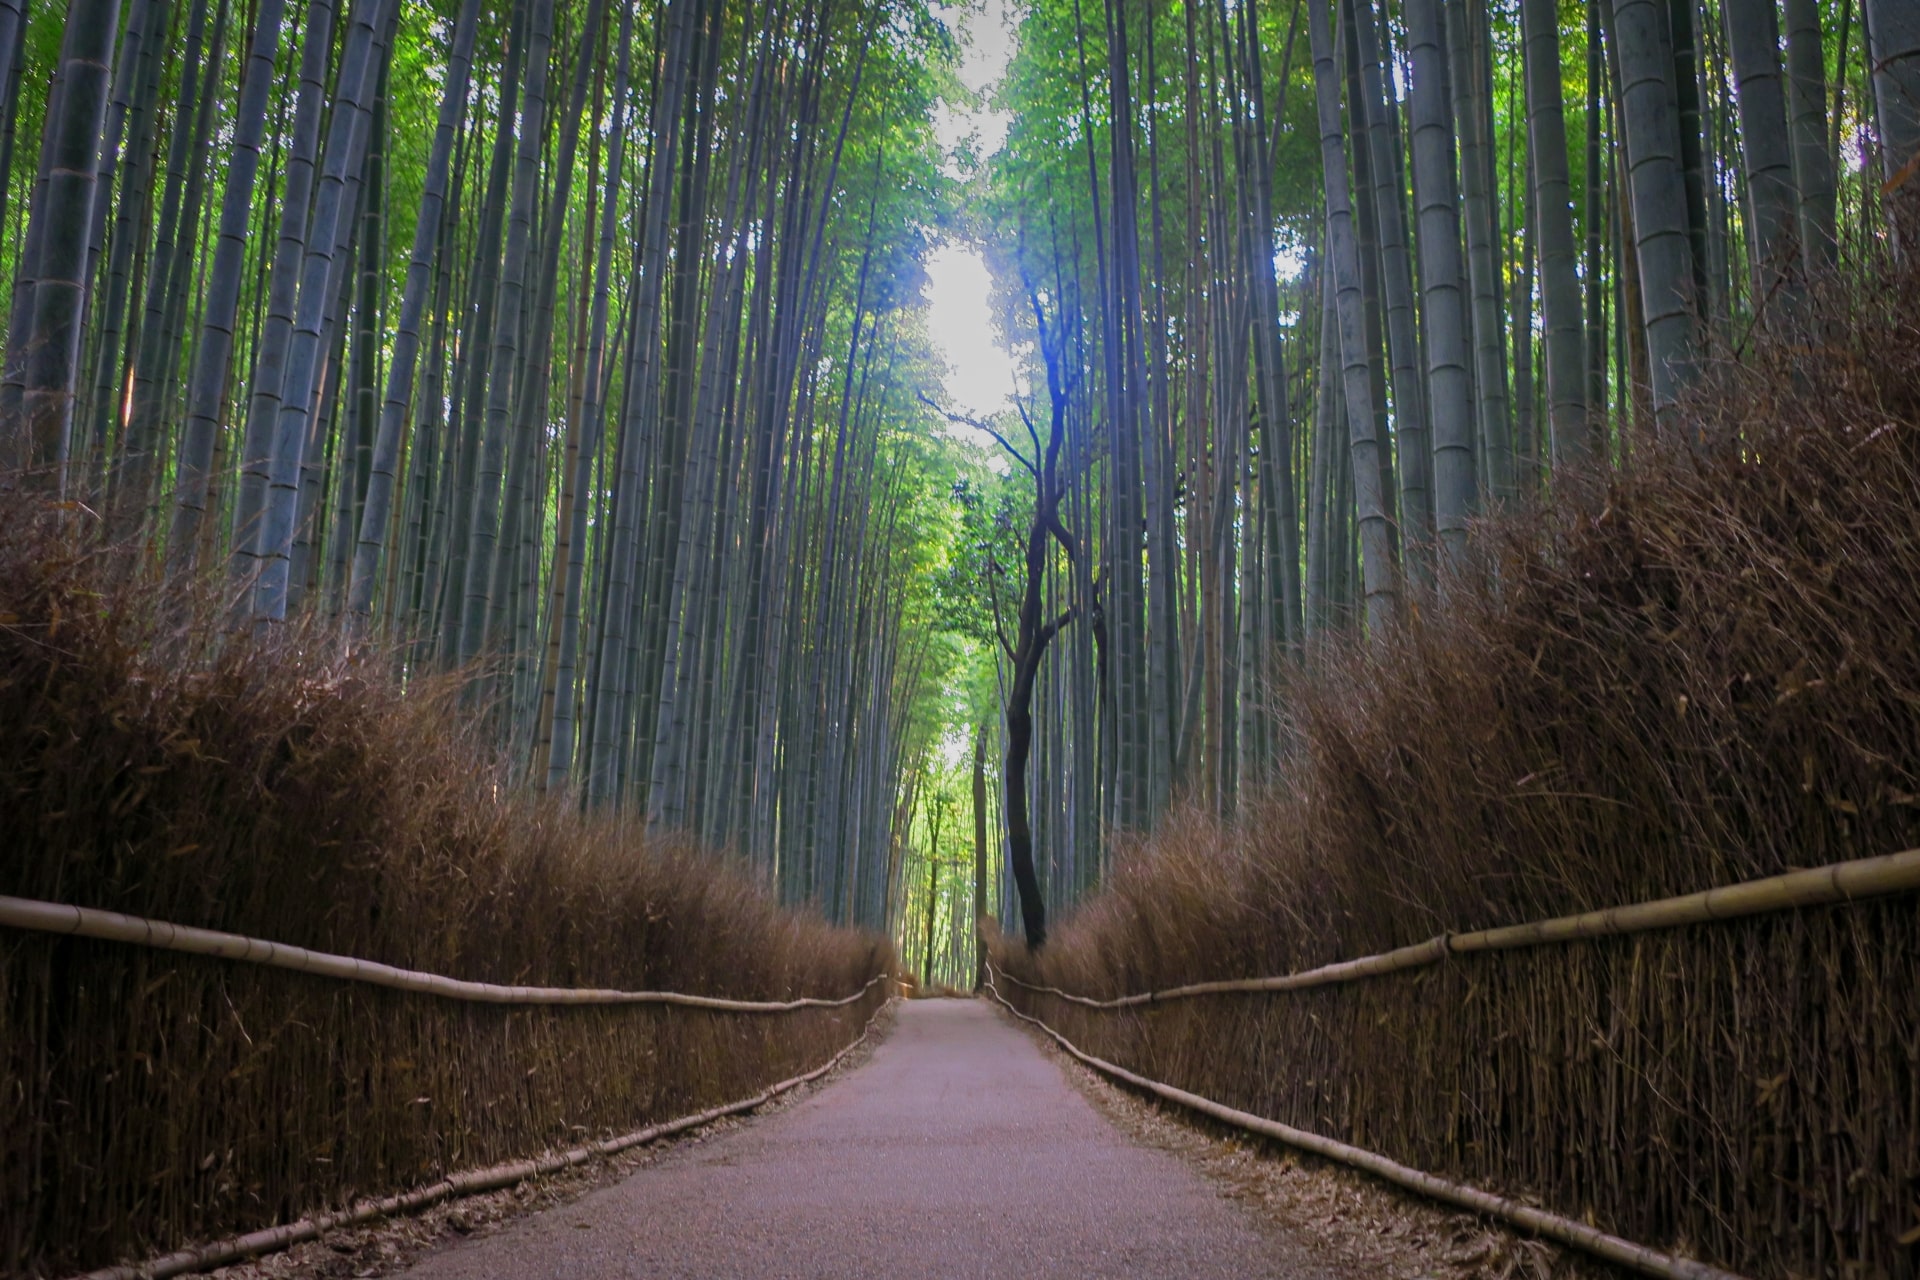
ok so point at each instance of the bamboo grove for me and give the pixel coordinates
(584, 346)
(1309, 286)
(569, 341)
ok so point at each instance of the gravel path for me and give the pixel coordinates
(959, 1149)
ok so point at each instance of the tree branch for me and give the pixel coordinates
(978, 424)
(1033, 432)
(1052, 629)
(993, 601)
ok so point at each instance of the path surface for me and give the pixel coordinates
(959, 1149)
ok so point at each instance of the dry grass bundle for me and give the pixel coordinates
(277, 789)
(1707, 671)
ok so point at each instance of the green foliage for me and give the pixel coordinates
(974, 587)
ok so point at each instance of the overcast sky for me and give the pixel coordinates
(980, 372)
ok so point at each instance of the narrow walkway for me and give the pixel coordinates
(957, 1150)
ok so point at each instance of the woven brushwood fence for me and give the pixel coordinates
(1744, 1091)
(286, 787)
(156, 1098)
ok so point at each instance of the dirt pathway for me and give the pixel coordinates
(958, 1150)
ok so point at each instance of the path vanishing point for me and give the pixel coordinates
(957, 1149)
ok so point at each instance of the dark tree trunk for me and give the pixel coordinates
(1034, 636)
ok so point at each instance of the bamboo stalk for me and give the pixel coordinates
(111, 926)
(272, 1239)
(1551, 1226)
(1821, 886)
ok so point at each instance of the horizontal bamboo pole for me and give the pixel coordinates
(111, 926)
(1551, 1226)
(1821, 886)
(223, 1252)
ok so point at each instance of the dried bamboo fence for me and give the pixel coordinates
(161, 1094)
(220, 1252)
(1731, 1076)
(1553, 1226)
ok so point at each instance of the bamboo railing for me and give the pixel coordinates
(1821, 886)
(1552, 1226)
(111, 926)
(1845, 882)
(222, 1252)
(70, 921)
